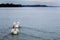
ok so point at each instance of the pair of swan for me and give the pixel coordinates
(15, 29)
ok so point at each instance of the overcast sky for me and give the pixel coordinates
(47, 2)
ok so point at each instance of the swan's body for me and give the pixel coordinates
(14, 31)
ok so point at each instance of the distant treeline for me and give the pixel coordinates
(10, 5)
(20, 5)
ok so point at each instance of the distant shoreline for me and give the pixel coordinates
(20, 5)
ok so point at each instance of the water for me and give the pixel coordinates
(38, 23)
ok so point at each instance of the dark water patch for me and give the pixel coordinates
(30, 35)
(56, 39)
(36, 37)
(5, 36)
(38, 30)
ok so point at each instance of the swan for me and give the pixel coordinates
(15, 31)
(16, 25)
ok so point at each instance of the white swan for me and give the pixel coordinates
(15, 31)
(16, 25)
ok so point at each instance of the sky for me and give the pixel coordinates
(25, 2)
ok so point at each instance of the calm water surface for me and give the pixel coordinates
(40, 23)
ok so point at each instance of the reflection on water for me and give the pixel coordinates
(37, 23)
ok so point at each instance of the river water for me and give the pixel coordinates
(38, 23)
